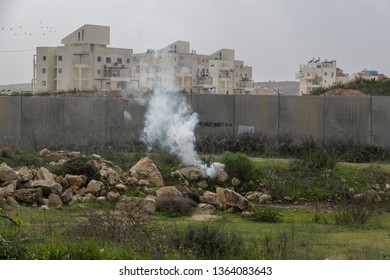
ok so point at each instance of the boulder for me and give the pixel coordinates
(231, 198)
(203, 185)
(9, 189)
(149, 205)
(6, 173)
(67, 196)
(190, 173)
(47, 186)
(26, 174)
(146, 169)
(253, 196)
(11, 201)
(205, 208)
(373, 196)
(110, 176)
(168, 191)
(211, 198)
(74, 181)
(222, 175)
(54, 199)
(61, 180)
(265, 198)
(101, 199)
(44, 174)
(143, 182)
(28, 195)
(236, 182)
(113, 196)
(94, 187)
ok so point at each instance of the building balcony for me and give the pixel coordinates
(245, 84)
(299, 75)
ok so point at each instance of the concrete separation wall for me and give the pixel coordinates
(76, 122)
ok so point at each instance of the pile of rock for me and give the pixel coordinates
(38, 186)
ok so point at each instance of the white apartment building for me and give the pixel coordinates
(315, 74)
(84, 62)
(175, 67)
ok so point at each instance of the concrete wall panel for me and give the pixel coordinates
(260, 112)
(380, 122)
(302, 116)
(42, 122)
(216, 114)
(10, 121)
(348, 117)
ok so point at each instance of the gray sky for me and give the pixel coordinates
(273, 36)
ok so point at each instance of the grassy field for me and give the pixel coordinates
(302, 233)
(323, 224)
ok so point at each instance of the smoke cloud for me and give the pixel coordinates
(170, 124)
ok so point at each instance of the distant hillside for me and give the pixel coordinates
(285, 87)
(16, 87)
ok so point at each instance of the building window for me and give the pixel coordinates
(43, 83)
(43, 70)
(325, 73)
(119, 60)
(99, 58)
(59, 83)
(78, 38)
(128, 60)
(108, 59)
(59, 70)
(44, 58)
(60, 58)
(108, 85)
(98, 71)
(82, 35)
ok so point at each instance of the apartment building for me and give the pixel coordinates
(317, 73)
(84, 62)
(175, 67)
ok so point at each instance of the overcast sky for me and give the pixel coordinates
(273, 36)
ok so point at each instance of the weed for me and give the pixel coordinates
(175, 206)
(238, 165)
(354, 214)
(265, 215)
(205, 241)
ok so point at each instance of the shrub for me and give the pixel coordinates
(354, 214)
(265, 214)
(77, 166)
(11, 246)
(318, 160)
(17, 157)
(238, 165)
(204, 241)
(175, 206)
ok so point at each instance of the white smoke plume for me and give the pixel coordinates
(170, 124)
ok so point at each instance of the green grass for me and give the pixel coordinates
(296, 236)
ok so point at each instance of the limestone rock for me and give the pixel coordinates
(61, 180)
(190, 173)
(101, 199)
(74, 181)
(44, 174)
(54, 199)
(6, 173)
(113, 196)
(168, 191)
(110, 176)
(211, 198)
(28, 195)
(265, 198)
(236, 182)
(231, 198)
(94, 187)
(205, 208)
(149, 204)
(26, 174)
(11, 201)
(67, 196)
(146, 169)
(9, 189)
(121, 187)
(47, 186)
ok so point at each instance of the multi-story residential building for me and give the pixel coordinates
(317, 73)
(176, 67)
(84, 62)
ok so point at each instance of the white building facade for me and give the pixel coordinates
(315, 74)
(84, 62)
